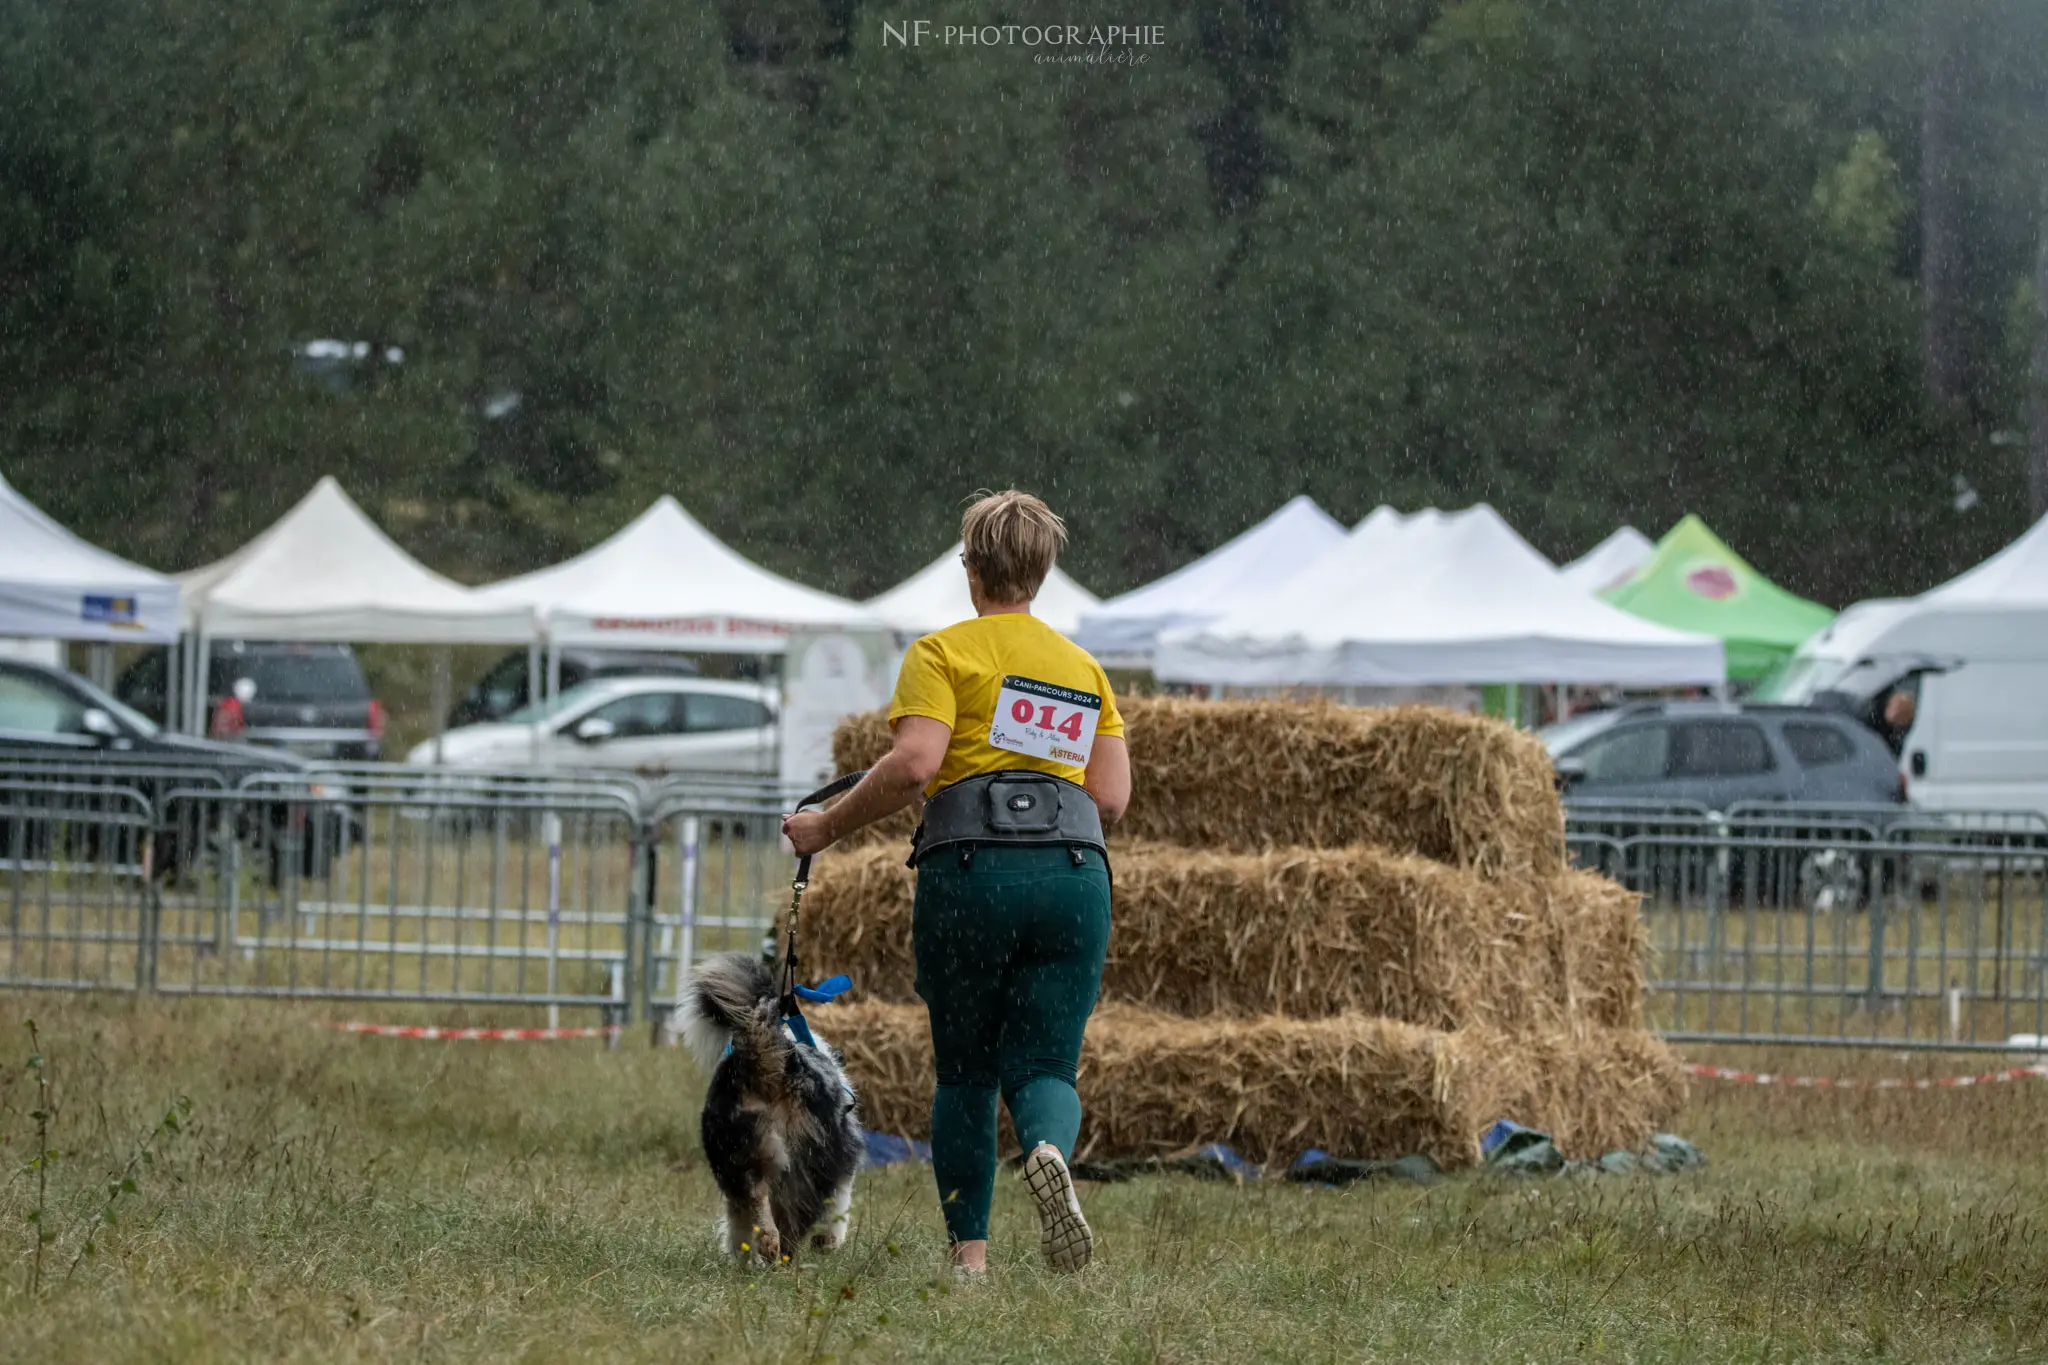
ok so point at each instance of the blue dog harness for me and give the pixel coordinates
(795, 1025)
(799, 1029)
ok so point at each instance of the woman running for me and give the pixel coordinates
(1012, 735)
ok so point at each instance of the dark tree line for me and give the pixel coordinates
(1776, 261)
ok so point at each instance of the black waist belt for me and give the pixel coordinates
(1016, 808)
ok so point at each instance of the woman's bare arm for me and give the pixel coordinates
(1108, 778)
(893, 783)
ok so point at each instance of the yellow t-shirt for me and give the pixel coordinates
(954, 675)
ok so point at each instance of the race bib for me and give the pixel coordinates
(1043, 721)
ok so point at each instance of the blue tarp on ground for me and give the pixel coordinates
(1506, 1146)
(886, 1150)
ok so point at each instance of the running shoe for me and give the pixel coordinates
(1063, 1233)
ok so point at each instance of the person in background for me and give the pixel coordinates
(1000, 721)
(1899, 709)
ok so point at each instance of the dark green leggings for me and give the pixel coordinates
(1009, 960)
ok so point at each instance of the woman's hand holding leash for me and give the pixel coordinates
(808, 831)
(893, 783)
(888, 787)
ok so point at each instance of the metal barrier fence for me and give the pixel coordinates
(1786, 924)
(379, 883)
(74, 884)
(1878, 925)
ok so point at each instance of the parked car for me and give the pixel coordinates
(503, 689)
(309, 698)
(1621, 765)
(635, 724)
(58, 727)
(1716, 754)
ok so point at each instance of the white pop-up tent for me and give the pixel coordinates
(1610, 563)
(54, 585)
(1996, 613)
(1998, 609)
(664, 582)
(324, 571)
(1123, 631)
(1978, 647)
(936, 597)
(1428, 600)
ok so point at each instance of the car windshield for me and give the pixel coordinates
(539, 712)
(1569, 734)
(314, 676)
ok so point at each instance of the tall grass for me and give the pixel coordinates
(328, 1197)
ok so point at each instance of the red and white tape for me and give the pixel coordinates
(476, 1035)
(1722, 1073)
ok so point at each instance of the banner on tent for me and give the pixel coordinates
(726, 634)
(99, 609)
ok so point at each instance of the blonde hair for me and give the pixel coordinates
(1010, 540)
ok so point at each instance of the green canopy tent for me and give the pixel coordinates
(1695, 582)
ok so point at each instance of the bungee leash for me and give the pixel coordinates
(824, 991)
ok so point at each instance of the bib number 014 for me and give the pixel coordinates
(1043, 721)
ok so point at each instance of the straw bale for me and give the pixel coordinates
(1354, 1085)
(1303, 932)
(1245, 775)
(1603, 947)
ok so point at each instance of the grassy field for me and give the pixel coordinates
(325, 1197)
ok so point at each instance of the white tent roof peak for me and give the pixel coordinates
(1997, 611)
(54, 584)
(936, 597)
(664, 581)
(1612, 562)
(325, 571)
(1125, 629)
(2018, 573)
(1429, 599)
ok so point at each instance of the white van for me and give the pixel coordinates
(1975, 651)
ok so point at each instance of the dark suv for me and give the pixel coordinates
(502, 690)
(59, 731)
(1716, 754)
(309, 698)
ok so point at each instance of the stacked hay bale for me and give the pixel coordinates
(1332, 927)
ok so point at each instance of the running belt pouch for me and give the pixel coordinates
(1022, 805)
(1010, 808)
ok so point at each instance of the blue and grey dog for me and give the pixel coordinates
(779, 1129)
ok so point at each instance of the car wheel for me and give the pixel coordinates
(1833, 879)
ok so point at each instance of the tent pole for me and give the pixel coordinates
(533, 678)
(174, 691)
(195, 712)
(181, 719)
(444, 668)
(776, 737)
(554, 683)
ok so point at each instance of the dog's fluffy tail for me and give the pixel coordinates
(722, 997)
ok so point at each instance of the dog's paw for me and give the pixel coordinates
(767, 1245)
(829, 1238)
